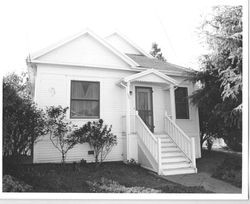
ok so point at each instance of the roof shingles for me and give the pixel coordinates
(154, 63)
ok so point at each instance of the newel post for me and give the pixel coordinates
(193, 152)
(159, 154)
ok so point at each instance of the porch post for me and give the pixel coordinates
(127, 118)
(172, 99)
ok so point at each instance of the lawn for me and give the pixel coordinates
(109, 177)
(221, 165)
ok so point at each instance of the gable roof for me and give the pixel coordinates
(119, 54)
(154, 63)
(129, 42)
(134, 61)
(135, 77)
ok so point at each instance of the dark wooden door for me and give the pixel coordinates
(144, 105)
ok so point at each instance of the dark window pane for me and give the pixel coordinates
(85, 100)
(84, 108)
(181, 103)
(181, 111)
(85, 90)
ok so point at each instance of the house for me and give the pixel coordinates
(144, 99)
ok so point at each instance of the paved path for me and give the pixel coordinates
(205, 180)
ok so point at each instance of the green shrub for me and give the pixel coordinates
(11, 184)
(98, 136)
(60, 129)
(23, 122)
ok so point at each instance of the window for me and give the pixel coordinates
(181, 103)
(85, 99)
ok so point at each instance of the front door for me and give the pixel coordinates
(144, 105)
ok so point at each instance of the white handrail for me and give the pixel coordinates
(179, 129)
(146, 127)
(185, 143)
(152, 143)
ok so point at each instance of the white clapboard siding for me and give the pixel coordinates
(45, 152)
(84, 50)
(53, 88)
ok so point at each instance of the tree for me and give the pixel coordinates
(23, 122)
(98, 136)
(60, 130)
(156, 52)
(220, 97)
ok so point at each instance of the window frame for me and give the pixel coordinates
(186, 104)
(84, 117)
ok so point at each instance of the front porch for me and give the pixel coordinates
(152, 136)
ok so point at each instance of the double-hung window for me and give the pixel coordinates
(85, 99)
(181, 103)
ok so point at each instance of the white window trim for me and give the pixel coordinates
(68, 95)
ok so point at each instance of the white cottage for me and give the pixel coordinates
(144, 99)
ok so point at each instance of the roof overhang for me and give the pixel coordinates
(149, 76)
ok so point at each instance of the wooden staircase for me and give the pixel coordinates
(169, 153)
(173, 160)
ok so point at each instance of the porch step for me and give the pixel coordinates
(168, 144)
(172, 154)
(170, 149)
(173, 159)
(174, 165)
(166, 140)
(186, 170)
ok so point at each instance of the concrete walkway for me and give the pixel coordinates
(205, 180)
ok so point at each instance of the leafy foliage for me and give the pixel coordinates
(156, 52)
(220, 97)
(111, 186)
(60, 130)
(11, 184)
(98, 136)
(23, 122)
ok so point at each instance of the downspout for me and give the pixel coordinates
(127, 87)
(128, 118)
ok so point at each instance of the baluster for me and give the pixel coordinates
(179, 139)
(183, 143)
(151, 144)
(176, 136)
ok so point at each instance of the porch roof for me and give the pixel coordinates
(150, 76)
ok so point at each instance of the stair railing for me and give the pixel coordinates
(152, 143)
(185, 143)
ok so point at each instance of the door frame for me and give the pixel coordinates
(151, 98)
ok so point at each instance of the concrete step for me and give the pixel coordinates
(187, 170)
(174, 159)
(175, 165)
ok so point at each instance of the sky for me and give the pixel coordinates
(31, 25)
